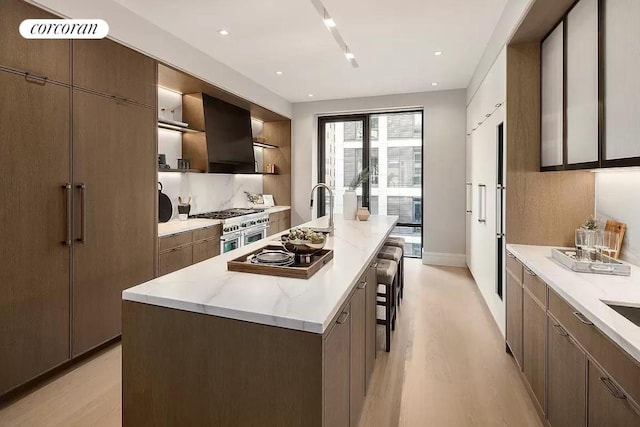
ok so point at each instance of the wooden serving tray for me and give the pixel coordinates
(295, 271)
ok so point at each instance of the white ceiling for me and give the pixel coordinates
(393, 42)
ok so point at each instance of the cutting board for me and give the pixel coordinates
(617, 227)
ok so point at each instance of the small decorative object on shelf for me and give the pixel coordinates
(350, 198)
(270, 168)
(363, 214)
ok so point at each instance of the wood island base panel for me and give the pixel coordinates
(221, 372)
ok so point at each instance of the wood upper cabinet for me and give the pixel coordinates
(566, 386)
(358, 350)
(534, 337)
(43, 58)
(337, 364)
(608, 404)
(116, 227)
(514, 308)
(621, 83)
(107, 67)
(34, 276)
(552, 99)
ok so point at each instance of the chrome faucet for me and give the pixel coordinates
(330, 228)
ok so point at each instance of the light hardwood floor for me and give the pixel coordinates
(447, 367)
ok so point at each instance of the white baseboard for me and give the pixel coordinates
(448, 260)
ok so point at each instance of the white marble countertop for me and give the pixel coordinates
(176, 226)
(586, 292)
(275, 209)
(306, 305)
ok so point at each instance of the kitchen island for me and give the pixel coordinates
(205, 346)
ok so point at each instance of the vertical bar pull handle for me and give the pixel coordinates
(482, 203)
(469, 187)
(68, 237)
(83, 213)
(499, 205)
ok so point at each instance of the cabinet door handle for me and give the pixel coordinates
(529, 272)
(469, 188)
(613, 389)
(33, 78)
(343, 318)
(560, 330)
(67, 191)
(83, 213)
(581, 318)
(362, 285)
(482, 203)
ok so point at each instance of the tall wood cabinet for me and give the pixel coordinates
(116, 211)
(34, 277)
(78, 222)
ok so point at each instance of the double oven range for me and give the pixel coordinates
(240, 227)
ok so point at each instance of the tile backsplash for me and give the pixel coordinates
(618, 198)
(209, 192)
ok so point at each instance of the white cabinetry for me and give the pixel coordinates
(551, 150)
(484, 114)
(582, 82)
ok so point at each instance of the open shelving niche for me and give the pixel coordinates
(171, 130)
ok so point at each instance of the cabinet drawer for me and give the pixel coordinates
(611, 357)
(608, 405)
(175, 259)
(174, 240)
(206, 249)
(207, 233)
(536, 286)
(514, 266)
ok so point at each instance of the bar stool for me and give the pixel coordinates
(394, 253)
(399, 243)
(386, 279)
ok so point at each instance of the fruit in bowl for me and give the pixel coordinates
(303, 241)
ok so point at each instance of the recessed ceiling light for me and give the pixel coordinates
(437, 53)
(279, 73)
(434, 84)
(310, 95)
(329, 22)
(223, 32)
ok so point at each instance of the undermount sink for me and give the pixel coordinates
(631, 313)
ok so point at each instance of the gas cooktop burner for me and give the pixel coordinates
(226, 214)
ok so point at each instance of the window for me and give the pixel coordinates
(404, 166)
(417, 166)
(352, 164)
(353, 131)
(404, 126)
(373, 167)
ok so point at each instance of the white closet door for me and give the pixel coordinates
(553, 98)
(582, 82)
(622, 81)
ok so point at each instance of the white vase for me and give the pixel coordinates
(349, 204)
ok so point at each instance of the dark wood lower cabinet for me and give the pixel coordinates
(534, 338)
(567, 386)
(370, 307)
(357, 385)
(514, 317)
(337, 365)
(116, 215)
(608, 404)
(206, 249)
(175, 259)
(35, 264)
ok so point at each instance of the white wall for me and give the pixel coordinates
(132, 30)
(444, 160)
(617, 198)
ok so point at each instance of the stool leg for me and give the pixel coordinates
(387, 323)
(402, 277)
(394, 300)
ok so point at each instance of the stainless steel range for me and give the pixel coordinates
(239, 226)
